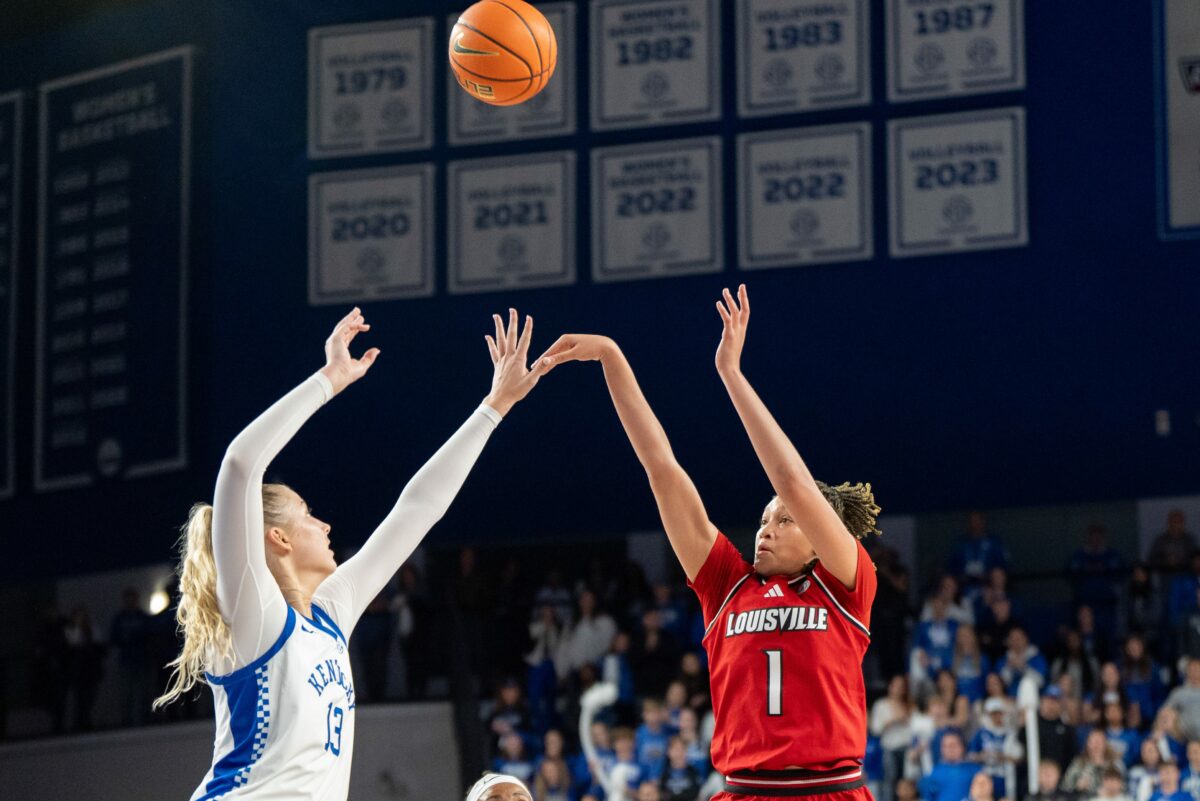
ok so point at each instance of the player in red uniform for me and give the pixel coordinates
(786, 635)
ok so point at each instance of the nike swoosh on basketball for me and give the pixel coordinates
(458, 48)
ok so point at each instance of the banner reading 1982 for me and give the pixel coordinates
(1178, 75)
(654, 62)
(370, 88)
(795, 55)
(551, 112)
(512, 222)
(112, 226)
(957, 182)
(10, 185)
(947, 48)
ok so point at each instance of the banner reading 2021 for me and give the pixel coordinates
(112, 226)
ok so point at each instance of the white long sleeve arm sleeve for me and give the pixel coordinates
(423, 502)
(247, 595)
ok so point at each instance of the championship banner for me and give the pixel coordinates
(551, 112)
(370, 234)
(654, 62)
(957, 182)
(1177, 38)
(113, 204)
(798, 55)
(950, 48)
(805, 196)
(511, 222)
(370, 88)
(10, 186)
(656, 210)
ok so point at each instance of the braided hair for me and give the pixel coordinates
(855, 505)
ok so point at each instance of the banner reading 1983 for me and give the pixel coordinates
(654, 62)
(370, 88)
(551, 112)
(1178, 75)
(947, 48)
(112, 226)
(795, 55)
(10, 185)
(511, 222)
(957, 182)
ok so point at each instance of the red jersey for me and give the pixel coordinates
(786, 666)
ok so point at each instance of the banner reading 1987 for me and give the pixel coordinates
(10, 185)
(947, 48)
(112, 226)
(512, 222)
(1178, 75)
(370, 88)
(957, 182)
(654, 62)
(795, 55)
(551, 112)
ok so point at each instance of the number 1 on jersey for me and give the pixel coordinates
(774, 682)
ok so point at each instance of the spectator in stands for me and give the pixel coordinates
(993, 688)
(950, 779)
(1143, 777)
(512, 759)
(695, 681)
(1141, 677)
(1141, 604)
(552, 749)
(671, 611)
(933, 642)
(1124, 742)
(551, 782)
(1185, 700)
(546, 637)
(983, 787)
(976, 553)
(906, 789)
(619, 671)
(957, 609)
(652, 737)
(689, 734)
(927, 724)
(1086, 772)
(1096, 571)
(680, 778)
(1172, 549)
(1168, 784)
(1188, 637)
(654, 655)
(413, 623)
(996, 747)
(129, 634)
(588, 775)
(82, 662)
(1049, 775)
(969, 664)
(510, 714)
(1056, 737)
(590, 637)
(556, 596)
(674, 702)
(1165, 734)
(994, 627)
(1074, 660)
(994, 590)
(1021, 659)
(649, 790)
(1112, 787)
(890, 722)
(626, 766)
(372, 643)
(1189, 780)
(1095, 641)
(958, 706)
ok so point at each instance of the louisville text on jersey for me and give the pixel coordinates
(780, 618)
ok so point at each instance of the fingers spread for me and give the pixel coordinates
(491, 343)
(745, 299)
(526, 337)
(721, 310)
(501, 340)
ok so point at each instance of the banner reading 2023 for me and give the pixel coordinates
(654, 62)
(113, 194)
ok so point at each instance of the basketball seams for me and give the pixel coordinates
(470, 71)
(509, 50)
(536, 45)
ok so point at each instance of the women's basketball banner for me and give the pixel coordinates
(10, 186)
(1178, 76)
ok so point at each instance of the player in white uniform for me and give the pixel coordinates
(266, 611)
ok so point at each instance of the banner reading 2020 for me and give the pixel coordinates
(112, 225)
(654, 62)
(10, 185)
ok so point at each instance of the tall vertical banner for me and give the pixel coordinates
(10, 188)
(950, 48)
(112, 253)
(1178, 77)
(551, 112)
(654, 62)
(799, 55)
(370, 88)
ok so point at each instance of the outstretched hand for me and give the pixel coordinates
(341, 368)
(511, 378)
(576, 348)
(735, 316)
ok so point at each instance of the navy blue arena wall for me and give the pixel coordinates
(1017, 376)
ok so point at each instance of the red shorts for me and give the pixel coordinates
(857, 794)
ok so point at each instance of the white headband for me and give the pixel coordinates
(491, 780)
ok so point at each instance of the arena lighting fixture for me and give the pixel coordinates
(159, 600)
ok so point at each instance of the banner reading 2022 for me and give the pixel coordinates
(10, 185)
(654, 62)
(113, 193)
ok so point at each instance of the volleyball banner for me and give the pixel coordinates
(10, 186)
(370, 234)
(957, 182)
(656, 210)
(805, 196)
(511, 222)
(796, 55)
(654, 62)
(113, 206)
(1178, 76)
(950, 48)
(370, 88)
(551, 112)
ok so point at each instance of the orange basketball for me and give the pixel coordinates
(503, 52)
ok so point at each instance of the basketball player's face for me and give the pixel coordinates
(781, 548)
(309, 538)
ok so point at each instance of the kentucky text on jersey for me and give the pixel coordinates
(781, 619)
(330, 672)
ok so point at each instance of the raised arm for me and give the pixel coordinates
(430, 492)
(691, 533)
(247, 594)
(789, 476)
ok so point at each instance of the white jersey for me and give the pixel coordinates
(285, 697)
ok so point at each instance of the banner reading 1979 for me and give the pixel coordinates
(112, 226)
(654, 62)
(10, 185)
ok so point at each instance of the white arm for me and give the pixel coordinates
(596, 698)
